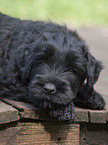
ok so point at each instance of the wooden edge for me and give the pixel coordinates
(21, 106)
(81, 115)
(8, 113)
(98, 116)
(27, 110)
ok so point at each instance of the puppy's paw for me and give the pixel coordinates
(98, 101)
(66, 114)
(86, 99)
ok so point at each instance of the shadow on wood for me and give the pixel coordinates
(40, 133)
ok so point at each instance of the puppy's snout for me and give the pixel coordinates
(49, 88)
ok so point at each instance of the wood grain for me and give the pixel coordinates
(41, 133)
(98, 116)
(81, 115)
(27, 110)
(7, 113)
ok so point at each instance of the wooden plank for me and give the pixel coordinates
(81, 115)
(7, 113)
(21, 106)
(41, 133)
(29, 111)
(98, 116)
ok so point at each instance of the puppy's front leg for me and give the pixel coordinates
(65, 114)
(87, 99)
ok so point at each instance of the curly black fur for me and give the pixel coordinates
(47, 64)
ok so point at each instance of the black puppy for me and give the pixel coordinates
(47, 65)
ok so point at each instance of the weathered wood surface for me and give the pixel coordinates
(91, 128)
(94, 134)
(8, 113)
(40, 133)
(98, 116)
(81, 115)
(27, 110)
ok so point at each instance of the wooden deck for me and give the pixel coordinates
(15, 110)
(22, 123)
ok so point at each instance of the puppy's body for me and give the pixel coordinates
(47, 64)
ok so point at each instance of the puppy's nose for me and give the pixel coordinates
(49, 88)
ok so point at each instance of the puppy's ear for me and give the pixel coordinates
(93, 69)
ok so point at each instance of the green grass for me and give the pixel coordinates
(76, 12)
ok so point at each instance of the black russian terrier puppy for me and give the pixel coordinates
(47, 65)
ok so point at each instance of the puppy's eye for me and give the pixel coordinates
(71, 69)
(49, 50)
(48, 53)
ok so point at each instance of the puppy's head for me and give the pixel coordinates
(56, 67)
(55, 75)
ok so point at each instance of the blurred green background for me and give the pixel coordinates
(76, 12)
